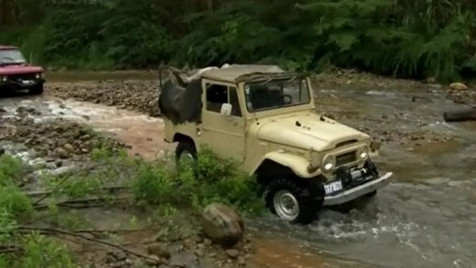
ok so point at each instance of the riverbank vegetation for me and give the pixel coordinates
(33, 224)
(415, 39)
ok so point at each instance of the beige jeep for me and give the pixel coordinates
(265, 118)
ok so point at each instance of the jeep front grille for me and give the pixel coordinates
(346, 158)
(20, 77)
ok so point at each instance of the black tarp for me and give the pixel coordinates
(181, 104)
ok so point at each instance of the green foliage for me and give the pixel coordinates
(41, 251)
(155, 185)
(214, 180)
(396, 37)
(76, 187)
(11, 170)
(221, 181)
(14, 201)
(7, 225)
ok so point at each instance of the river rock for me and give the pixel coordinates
(62, 153)
(222, 224)
(69, 147)
(458, 86)
(232, 253)
(241, 261)
(159, 250)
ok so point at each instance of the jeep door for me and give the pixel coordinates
(224, 134)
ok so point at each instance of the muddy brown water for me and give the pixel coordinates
(425, 218)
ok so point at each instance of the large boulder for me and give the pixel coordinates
(222, 224)
(458, 86)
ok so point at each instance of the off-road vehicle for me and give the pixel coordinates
(16, 74)
(265, 118)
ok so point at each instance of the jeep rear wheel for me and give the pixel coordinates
(185, 154)
(292, 200)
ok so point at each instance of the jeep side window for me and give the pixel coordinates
(218, 94)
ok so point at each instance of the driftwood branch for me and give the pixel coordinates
(63, 181)
(463, 114)
(117, 231)
(82, 203)
(48, 193)
(7, 249)
(51, 231)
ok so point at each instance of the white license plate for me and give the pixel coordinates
(333, 187)
(27, 82)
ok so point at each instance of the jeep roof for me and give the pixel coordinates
(238, 73)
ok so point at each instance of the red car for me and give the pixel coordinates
(17, 74)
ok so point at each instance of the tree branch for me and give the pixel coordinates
(51, 231)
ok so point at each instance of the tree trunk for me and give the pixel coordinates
(464, 114)
(3, 12)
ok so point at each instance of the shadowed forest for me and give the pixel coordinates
(434, 38)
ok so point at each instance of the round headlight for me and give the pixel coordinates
(38, 76)
(328, 163)
(363, 153)
(3, 78)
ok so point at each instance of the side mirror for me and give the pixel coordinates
(226, 109)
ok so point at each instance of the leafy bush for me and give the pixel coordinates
(41, 251)
(220, 181)
(14, 201)
(214, 180)
(7, 225)
(155, 185)
(11, 170)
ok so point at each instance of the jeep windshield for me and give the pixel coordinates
(11, 56)
(275, 94)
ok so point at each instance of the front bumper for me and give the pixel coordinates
(358, 191)
(21, 84)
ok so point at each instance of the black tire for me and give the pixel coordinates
(308, 196)
(185, 148)
(371, 194)
(36, 90)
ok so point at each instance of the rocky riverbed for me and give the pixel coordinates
(138, 95)
(421, 220)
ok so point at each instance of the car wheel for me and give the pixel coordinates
(292, 200)
(185, 154)
(371, 194)
(36, 90)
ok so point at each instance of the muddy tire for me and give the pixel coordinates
(371, 195)
(36, 90)
(185, 151)
(293, 200)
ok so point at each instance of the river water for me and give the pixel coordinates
(425, 218)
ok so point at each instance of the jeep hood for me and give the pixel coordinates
(307, 132)
(13, 69)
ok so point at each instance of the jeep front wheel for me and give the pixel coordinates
(36, 90)
(292, 200)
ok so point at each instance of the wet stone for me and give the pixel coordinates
(159, 250)
(152, 260)
(241, 261)
(69, 147)
(232, 253)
